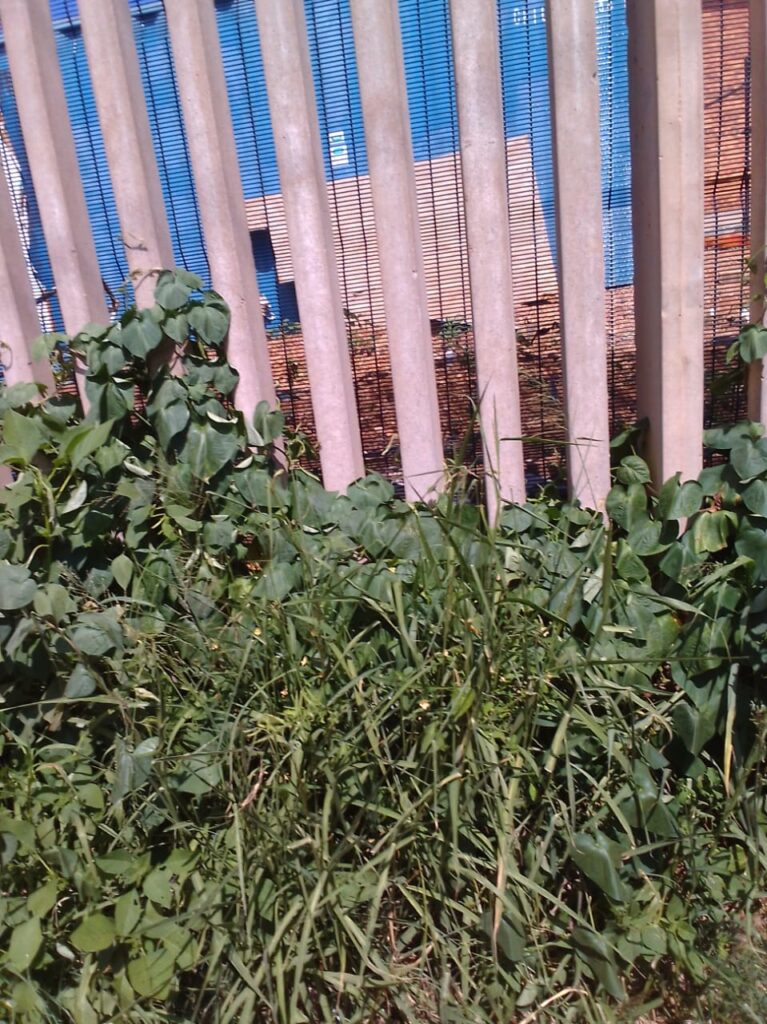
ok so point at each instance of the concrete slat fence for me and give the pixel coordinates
(580, 241)
(666, 116)
(666, 113)
(53, 164)
(476, 51)
(205, 106)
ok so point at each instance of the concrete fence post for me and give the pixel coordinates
(757, 381)
(666, 113)
(210, 137)
(476, 52)
(292, 104)
(50, 146)
(108, 34)
(380, 67)
(574, 84)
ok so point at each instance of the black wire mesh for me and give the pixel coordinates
(431, 96)
(524, 74)
(727, 197)
(15, 167)
(331, 49)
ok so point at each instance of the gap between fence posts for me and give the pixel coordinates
(292, 104)
(381, 73)
(476, 51)
(666, 116)
(50, 146)
(576, 138)
(757, 381)
(210, 137)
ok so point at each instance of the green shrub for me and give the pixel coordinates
(273, 754)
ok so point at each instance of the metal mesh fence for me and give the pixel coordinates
(431, 96)
(727, 136)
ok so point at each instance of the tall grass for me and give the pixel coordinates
(408, 789)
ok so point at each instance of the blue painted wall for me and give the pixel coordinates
(431, 95)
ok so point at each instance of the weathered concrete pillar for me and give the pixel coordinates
(666, 107)
(483, 169)
(50, 147)
(576, 137)
(108, 33)
(19, 323)
(292, 104)
(381, 73)
(210, 137)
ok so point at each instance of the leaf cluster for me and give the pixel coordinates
(273, 754)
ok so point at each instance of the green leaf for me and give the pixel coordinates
(18, 395)
(169, 421)
(81, 683)
(17, 588)
(269, 423)
(183, 518)
(177, 328)
(97, 633)
(42, 900)
(693, 726)
(76, 499)
(633, 470)
(711, 531)
(127, 913)
(752, 343)
(278, 581)
(192, 281)
(26, 939)
(171, 292)
(105, 357)
(749, 458)
(724, 438)
(667, 495)
(594, 951)
(116, 862)
(220, 533)
(122, 570)
(139, 334)
(225, 380)
(627, 505)
(151, 973)
(163, 884)
(755, 498)
(644, 537)
(210, 321)
(654, 939)
(82, 441)
(593, 854)
(22, 435)
(687, 501)
(752, 543)
(94, 933)
(509, 937)
(209, 448)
